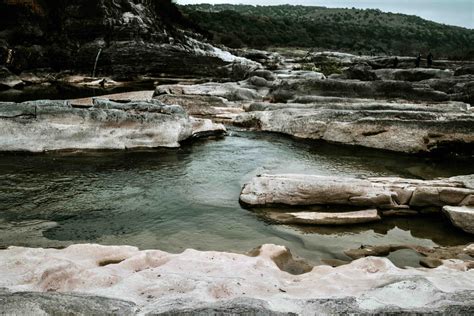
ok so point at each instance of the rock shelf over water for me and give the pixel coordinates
(38, 126)
(267, 281)
(387, 194)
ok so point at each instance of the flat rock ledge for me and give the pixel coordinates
(396, 126)
(390, 195)
(326, 218)
(38, 126)
(122, 280)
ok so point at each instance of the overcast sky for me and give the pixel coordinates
(454, 12)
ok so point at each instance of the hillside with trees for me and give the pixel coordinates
(352, 30)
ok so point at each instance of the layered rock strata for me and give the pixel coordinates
(386, 194)
(153, 282)
(56, 125)
(396, 126)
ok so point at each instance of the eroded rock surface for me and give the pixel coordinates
(153, 281)
(56, 125)
(385, 193)
(402, 127)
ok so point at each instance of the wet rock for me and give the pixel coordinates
(206, 128)
(9, 80)
(431, 262)
(461, 217)
(326, 218)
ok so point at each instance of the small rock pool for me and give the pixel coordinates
(173, 199)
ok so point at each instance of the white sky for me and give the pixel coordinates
(453, 12)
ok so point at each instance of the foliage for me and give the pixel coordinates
(352, 30)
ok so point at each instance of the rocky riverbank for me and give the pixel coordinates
(124, 280)
(391, 196)
(40, 126)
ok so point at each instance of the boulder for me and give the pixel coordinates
(461, 217)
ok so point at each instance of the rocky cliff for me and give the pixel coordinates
(125, 38)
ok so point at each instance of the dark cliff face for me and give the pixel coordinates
(135, 37)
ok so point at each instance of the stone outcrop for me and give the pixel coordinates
(462, 216)
(390, 195)
(123, 39)
(153, 281)
(402, 127)
(384, 193)
(55, 125)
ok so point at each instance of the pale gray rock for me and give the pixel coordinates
(74, 280)
(325, 218)
(413, 74)
(56, 125)
(289, 89)
(230, 90)
(461, 217)
(294, 189)
(381, 193)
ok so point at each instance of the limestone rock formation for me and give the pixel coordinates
(461, 216)
(153, 281)
(387, 194)
(397, 126)
(55, 125)
(325, 218)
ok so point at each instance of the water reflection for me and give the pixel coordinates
(188, 197)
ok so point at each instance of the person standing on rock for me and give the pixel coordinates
(429, 60)
(418, 60)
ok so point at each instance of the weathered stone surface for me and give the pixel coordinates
(461, 216)
(326, 218)
(413, 74)
(410, 128)
(229, 90)
(155, 282)
(55, 125)
(289, 89)
(34, 303)
(294, 189)
(384, 193)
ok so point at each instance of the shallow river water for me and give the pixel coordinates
(173, 199)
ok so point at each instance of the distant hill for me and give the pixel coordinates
(351, 30)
